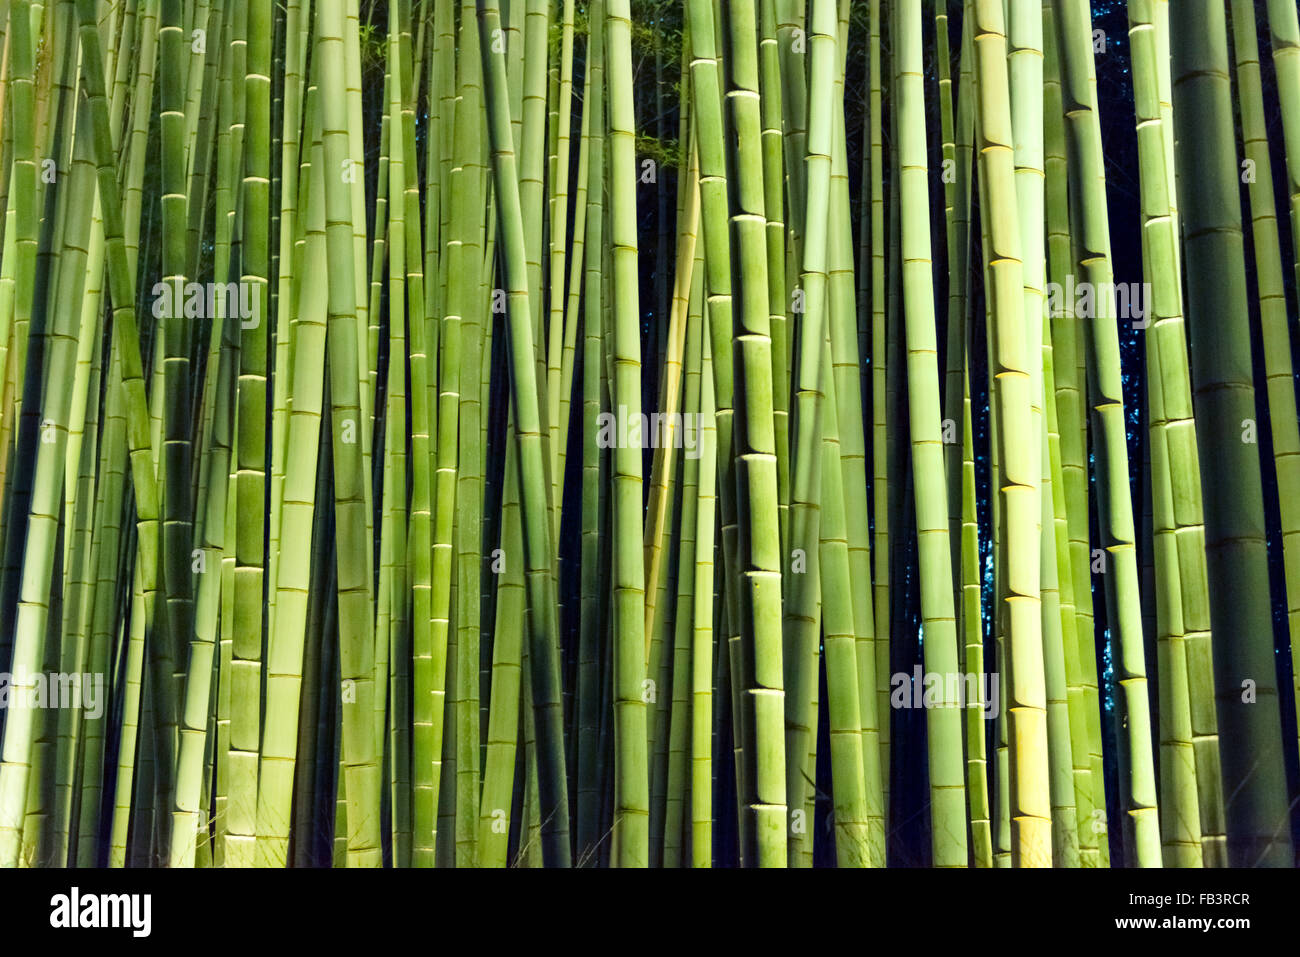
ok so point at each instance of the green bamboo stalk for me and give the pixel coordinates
(879, 441)
(702, 705)
(771, 80)
(1175, 485)
(1257, 821)
(943, 720)
(804, 590)
(847, 355)
(1276, 339)
(594, 491)
(706, 92)
(1284, 39)
(1088, 206)
(305, 395)
(356, 644)
(676, 814)
(251, 443)
(524, 401)
(631, 797)
(754, 451)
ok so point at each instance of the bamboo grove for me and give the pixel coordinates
(673, 433)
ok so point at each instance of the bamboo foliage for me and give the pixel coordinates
(590, 432)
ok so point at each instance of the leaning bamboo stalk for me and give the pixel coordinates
(1176, 491)
(847, 356)
(594, 492)
(1067, 356)
(1284, 38)
(702, 703)
(803, 598)
(524, 402)
(879, 440)
(677, 815)
(1088, 204)
(1276, 338)
(707, 108)
(770, 65)
(562, 131)
(287, 637)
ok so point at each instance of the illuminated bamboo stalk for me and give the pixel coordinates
(524, 401)
(360, 765)
(1257, 829)
(1276, 339)
(1088, 209)
(943, 720)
